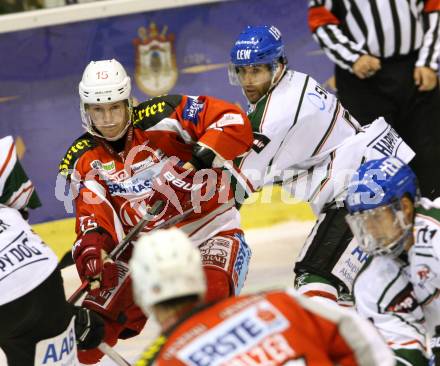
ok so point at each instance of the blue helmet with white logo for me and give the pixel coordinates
(380, 182)
(377, 216)
(258, 45)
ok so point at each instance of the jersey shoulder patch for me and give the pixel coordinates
(152, 111)
(78, 147)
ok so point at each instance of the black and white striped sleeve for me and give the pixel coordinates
(430, 50)
(326, 31)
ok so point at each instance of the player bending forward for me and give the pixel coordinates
(124, 154)
(273, 328)
(307, 141)
(399, 286)
(37, 325)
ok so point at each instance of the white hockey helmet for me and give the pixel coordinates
(165, 265)
(103, 81)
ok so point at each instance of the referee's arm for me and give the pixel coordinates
(430, 50)
(326, 31)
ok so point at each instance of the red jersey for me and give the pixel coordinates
(111, 185)
(275, 328)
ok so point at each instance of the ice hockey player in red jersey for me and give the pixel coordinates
(170, 149)
(273, 328)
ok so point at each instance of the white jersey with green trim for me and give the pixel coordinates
(306, 140)
(424, 257)
(25, 261)
(384, 295)
(401, 296)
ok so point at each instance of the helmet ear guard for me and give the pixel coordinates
(283, 60)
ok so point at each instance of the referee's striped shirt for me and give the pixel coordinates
(346, 29)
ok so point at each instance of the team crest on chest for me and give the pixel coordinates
(156, 69)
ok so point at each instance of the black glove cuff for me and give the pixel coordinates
(202, 157)
(89, 328)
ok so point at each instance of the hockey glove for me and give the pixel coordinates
(90, 256)
(89, 328)
(177, 186)
(435, 346)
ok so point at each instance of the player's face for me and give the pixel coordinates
(109, 118)
(381, 223)
(381, 229)
(255, 81)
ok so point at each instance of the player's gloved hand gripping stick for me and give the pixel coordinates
(116, 252)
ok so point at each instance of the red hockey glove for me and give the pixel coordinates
(90, 258)
(181, 189)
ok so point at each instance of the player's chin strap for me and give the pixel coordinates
(282, 68)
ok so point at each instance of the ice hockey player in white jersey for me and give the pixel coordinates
(37, 325)
(397, 289)
(307, 141)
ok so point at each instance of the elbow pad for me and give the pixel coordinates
(202, 157)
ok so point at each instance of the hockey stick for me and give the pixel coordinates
(118, 249)
(113, 355)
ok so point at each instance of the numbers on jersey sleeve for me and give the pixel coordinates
(350, 120)
(87, 223)
(321, 91)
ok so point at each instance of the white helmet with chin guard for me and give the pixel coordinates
(102, 82)
(165, 265)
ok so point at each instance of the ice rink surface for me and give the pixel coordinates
(274, 250)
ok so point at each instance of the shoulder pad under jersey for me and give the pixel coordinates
(152, 111)
(78, 147)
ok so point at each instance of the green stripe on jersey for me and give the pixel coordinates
(256, 117)
(13, 183)
(410, 357)
(431, 212)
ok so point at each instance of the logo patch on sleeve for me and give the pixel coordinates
(192, 109)
(260, 142)
(404, 301)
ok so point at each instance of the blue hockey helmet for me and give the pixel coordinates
(373, 201)
(380, 182)
(258, 45)
(255, 47)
